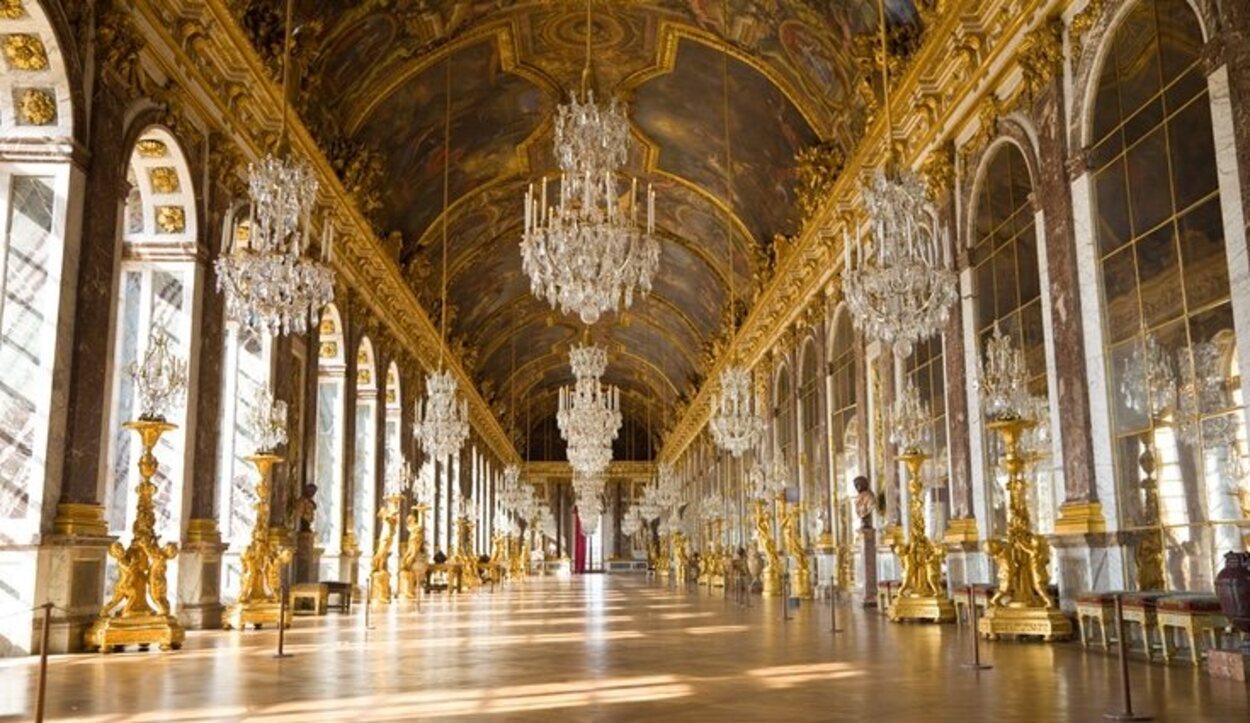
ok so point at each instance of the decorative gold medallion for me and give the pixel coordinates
(23, 51)
(11, 10)
(164, 179)
(36, 107)
(171, 219)
(152, 148)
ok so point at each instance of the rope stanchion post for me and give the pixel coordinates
(1125, 688)
(284, 593)
(833, 608)
(42, 689)
(976, 663)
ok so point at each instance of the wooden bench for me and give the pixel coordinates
(1196, 615)
(315, 592)
(343, 593)
(1096, 607)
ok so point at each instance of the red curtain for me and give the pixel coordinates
(579, 545)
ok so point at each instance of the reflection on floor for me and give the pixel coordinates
(606, 649)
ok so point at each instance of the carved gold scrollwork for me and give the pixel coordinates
(1041, 55)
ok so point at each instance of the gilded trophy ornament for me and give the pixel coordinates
(801, 573)
(771, 574)
(128, 618)
(258, 603)
(380, 574)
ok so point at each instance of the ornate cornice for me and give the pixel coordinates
(204, 49)
(539, 472)
(966, 52)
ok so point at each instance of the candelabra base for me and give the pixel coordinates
(801, 584)
(1049, 624)
(257, 614)
(109, 634)
(770, 583)
(920, 609)
(380, 587)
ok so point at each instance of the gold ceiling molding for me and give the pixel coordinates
(968, 29)
(223, 65)
(539, 472)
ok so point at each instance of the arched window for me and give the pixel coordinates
(155, 296)
(811, 455)
(784, 418)
(331, 395)
(1008, 296)
(844, 429)
(394, 414)
(364, 473)
(36, 185)
(1165, 288)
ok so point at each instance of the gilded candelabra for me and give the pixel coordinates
(681, 559)
(258, 603)
(1022, 604)
(413, 564)
(380, 573)
(128, 618)
(465, 555)
(801, 573)
(921, 596)
(770, 576)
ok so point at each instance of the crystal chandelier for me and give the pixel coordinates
(587, 495)
(736, 426)
(267, 421)
(769, 481)
(588, 253)
(589, 415)
(161, 379)
(441, 422)
(270, 285)
(898, 282)
(399, 478)
(911, 420)
(1004, 380)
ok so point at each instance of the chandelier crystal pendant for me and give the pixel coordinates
(1004, 380)
(589, 415)
(270, 285)
(267, 421)
(588, 253)
(160, 380)
(441, 422)
(898, 282)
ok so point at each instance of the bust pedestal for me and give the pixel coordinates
(868, 565)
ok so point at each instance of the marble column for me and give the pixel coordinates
(352, 332)
(307, 565)
(1080, 529)
(72, 560)
(199, 560)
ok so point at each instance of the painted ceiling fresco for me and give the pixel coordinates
(373, 76)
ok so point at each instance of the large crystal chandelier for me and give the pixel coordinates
(442, 419)
(736, 426)
(911, 419)
(267, 421)
(588, 497)
(589, 416)
(270, 285)
(588, 252)
(766, 481)
(898, 282)
(160, 380)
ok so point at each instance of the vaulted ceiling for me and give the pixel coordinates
(372, 87)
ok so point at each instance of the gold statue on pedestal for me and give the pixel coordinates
(258, 603)
(663, 559)
(1022, 605)
(770, 577)
(1148, 553)
(380, 573)
(801, 574)
(141, 569)
(681, 559)
(413, 564)
(922, 595)
(464, 556)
